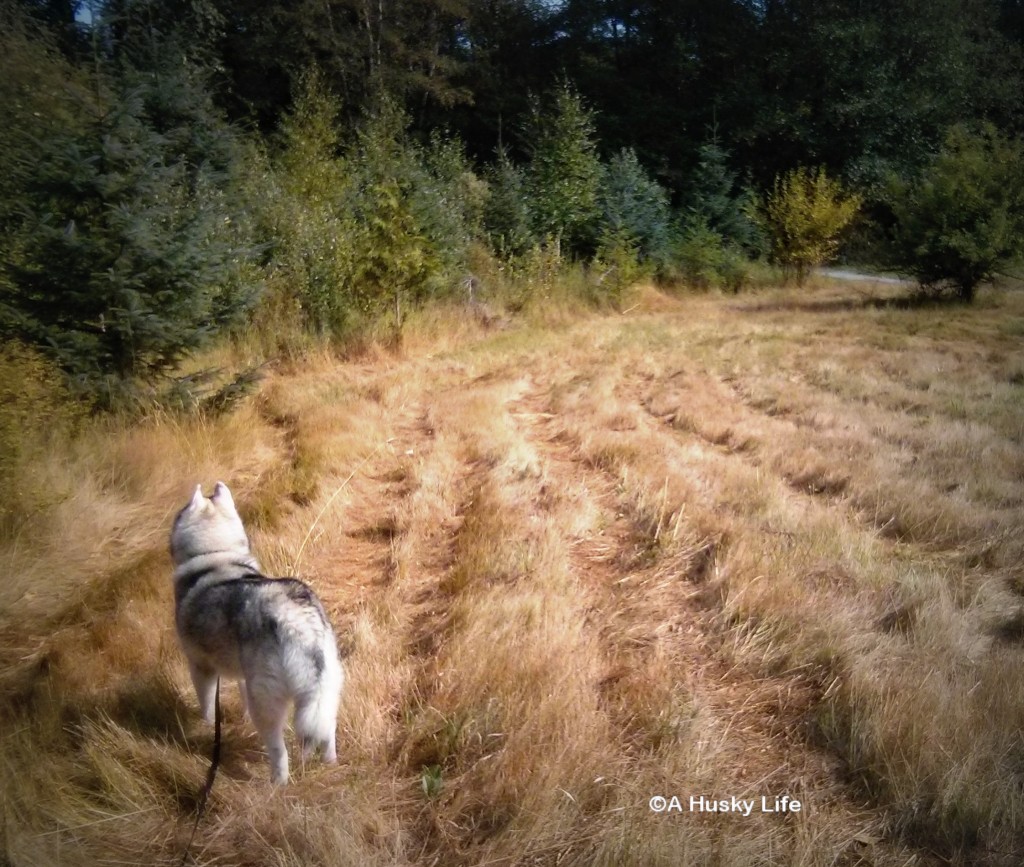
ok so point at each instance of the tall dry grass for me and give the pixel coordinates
(730, 546)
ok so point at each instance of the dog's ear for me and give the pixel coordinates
(197, 497)
(222, 495)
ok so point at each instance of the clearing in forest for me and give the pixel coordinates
(733, 547)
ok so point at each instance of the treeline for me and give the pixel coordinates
(173, 170)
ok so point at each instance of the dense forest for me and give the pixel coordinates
(173, 170)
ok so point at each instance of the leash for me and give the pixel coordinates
(210, 775)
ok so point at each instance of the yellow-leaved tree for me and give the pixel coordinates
(803, 217)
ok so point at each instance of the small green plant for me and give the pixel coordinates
(540, 268)
(804, 216)
(962, 220)
(617, 264)
(431, 781)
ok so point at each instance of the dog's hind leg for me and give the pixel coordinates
(205, 682)
(269, 714)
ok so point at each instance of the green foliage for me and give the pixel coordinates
(302, 214)
(897, 82)
(360, 232)
(803, 217)
(564, 173)
(507, 218)
(264, 47)
(719, 230)
(126, 245)
(707, 260)
(431, 781)
(125, 200)
(537, 272)
(962, 220)
(716, 200)
(617, 263)
(40, 95)
(409, 239)
(311, 144)
(635, 207)
(459, 191)
(393, 259)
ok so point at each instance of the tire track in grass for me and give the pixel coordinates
(765, 717)
(648, 598)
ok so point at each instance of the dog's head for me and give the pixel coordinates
(208, 525)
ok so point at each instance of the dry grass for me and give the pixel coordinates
(745, 546)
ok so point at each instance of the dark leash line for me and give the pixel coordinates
(210, 775)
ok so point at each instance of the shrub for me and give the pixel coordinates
(706, 260)
(963, 218)
(617, 264)
(803, 217)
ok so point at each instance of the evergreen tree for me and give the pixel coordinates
(304, 220)
(715, 199)
(458, 192)
(128, 247)
(41, 95)
(507, 212)
(635, 206)
(412, 239)
(364, 231)
(394, 256)
(564, 174)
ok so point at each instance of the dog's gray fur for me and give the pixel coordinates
(272, 634)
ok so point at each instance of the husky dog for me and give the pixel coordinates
(271, 634)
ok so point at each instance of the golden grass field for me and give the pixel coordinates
(731, 546)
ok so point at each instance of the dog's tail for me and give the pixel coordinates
(316, 719)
